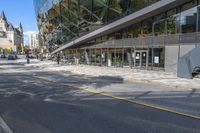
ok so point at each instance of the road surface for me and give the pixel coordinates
(31, 103)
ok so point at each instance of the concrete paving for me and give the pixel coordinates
(130, 75)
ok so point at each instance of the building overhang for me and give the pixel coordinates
(150, 11)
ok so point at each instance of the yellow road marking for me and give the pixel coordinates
(136, 102)
(124, 99)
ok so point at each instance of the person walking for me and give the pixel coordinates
(41, 57)
(27, 59)
(58, 59)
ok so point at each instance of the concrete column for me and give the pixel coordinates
(95, 59)
(115, 57)
(76, 59)
(101, 58)
(87, 58)
(130, 61)
(140, 59)
(123, 57)
(134, 60)
(152, 54)
(109, 59)
(147, 59)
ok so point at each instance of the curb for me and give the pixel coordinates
(162, 84)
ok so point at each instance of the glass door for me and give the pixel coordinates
(141, 59)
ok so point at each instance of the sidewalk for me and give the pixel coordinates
(131, 75)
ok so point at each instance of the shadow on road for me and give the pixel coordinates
(32, 105)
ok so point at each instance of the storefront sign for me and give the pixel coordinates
(156, 59)
(137, 56)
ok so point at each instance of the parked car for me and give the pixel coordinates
(6, 55)
(2, 56)
(31, 56)
(12, 57)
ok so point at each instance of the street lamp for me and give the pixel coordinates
(158, 21)
(153, 34)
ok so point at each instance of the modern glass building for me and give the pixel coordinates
(145, 34)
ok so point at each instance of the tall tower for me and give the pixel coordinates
(21, 43)
(21, 28)
(3, 16)
(3, 22)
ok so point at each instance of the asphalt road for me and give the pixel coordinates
(29, 104)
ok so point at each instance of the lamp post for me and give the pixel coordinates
(153, 35)
(158, 21)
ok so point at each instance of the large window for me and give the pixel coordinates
(188, 19)
(198, 16)
(173, 21)
(61, 21)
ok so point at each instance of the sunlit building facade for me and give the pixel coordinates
(11, 38)
(33, 41)
(145, 34)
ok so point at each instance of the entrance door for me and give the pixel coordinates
(141, 59)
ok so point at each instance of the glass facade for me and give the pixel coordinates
(180, 20)
(142, 44)
(61, 21)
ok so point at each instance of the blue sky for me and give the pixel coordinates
(18, 11)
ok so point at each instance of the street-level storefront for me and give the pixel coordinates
(133, 57)
(153, 37)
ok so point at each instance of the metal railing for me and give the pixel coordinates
(150, 41)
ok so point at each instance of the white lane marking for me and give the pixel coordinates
(4, 126)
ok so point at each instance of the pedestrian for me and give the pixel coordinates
(58, 59)
(27, 59)
(41, 57)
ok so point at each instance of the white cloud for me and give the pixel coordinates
(29, 32)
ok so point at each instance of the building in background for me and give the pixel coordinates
(11, 38)
(33, 40)
(42, 47)
(144, 34)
